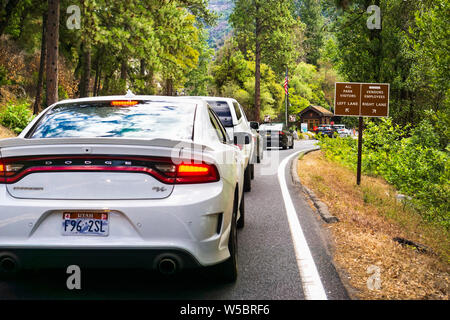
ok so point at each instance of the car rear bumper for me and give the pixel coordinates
(192, 222)
(111, 258)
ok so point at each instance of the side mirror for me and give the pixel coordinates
(254, 125)
(241, 138)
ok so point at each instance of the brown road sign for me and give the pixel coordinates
(347, 99)
(361, 99)
(375, 100)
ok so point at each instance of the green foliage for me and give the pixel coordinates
(310, 12)
(16, 116)
(271, 25)
(411, 52)
(3, 76)
(430, 39)
(233, 76)
(199, 79)
(305, 88)
(410, 159)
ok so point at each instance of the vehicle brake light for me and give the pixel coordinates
(196, 173)
(193, 169)
(8, 170)
(281, 132)
(123, 103)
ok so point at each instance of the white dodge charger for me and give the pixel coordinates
(123, 181)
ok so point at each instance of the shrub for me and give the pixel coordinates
(16, 116)
(3, 76)
(411, 159)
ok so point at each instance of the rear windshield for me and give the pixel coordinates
(222, 109)
(146, 120)
(271, 127)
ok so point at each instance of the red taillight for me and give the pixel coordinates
(8, 170)
(2, 171)
(123, 103)
(196, 173)
(281, 132)
(163, 169)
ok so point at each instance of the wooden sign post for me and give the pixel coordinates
(361, 100)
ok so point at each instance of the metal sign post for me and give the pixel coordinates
(362, 100)
(360, 141)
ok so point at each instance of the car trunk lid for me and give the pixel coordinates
(90, 169)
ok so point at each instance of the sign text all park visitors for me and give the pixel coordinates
(361, 99)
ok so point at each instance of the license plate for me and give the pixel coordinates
(85, 224)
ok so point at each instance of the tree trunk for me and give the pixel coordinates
(143, 67)
(52, 51)
(86, 75)
(99, 84)
(97, 75)
(124, 70)
(257, 81)
(257, 65)
(37, 101)
(169, 87)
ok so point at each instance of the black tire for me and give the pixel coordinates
(292, 145)
(228, 270)
(285, 146)
(241, 221)
(252, 171)
(247, 179)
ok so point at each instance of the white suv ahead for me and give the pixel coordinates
(233, 118)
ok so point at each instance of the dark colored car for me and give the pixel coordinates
(276, 135)
(326, 129)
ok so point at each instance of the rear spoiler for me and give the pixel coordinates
(22, 142)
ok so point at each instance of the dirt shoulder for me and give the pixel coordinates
(6, 133)
(369, 218)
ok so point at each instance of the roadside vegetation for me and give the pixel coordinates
(370, 218)
(414, 160)
(16, 116)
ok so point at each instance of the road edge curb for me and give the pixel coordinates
(321, 207)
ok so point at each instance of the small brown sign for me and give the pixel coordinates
(361, 99)
(374, 100)
(347, 99)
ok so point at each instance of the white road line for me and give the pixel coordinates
(312, 285)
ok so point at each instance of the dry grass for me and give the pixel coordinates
(6, 133)
(370, 218)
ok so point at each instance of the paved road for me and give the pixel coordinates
(267, 260)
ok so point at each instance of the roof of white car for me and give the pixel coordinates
(193, 100)
(212, 98)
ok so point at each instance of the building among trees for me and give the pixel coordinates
(314, 116)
